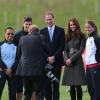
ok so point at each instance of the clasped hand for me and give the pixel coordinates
(68, 62)
(51, 59)
(8, 72)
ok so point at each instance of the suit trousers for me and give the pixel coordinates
(11, 85)
(33, 84)
(52, 88)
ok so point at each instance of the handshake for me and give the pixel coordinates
(49, 74)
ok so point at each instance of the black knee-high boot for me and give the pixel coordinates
(72, 92)
(79, 92)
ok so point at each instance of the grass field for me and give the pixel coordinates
(13, 11)
(64, 94)
(63, 90)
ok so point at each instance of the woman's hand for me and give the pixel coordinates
(68, 62)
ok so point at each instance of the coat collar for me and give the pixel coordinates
(92, 34)
(8, 41)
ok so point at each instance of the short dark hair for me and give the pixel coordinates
(9, 28)
(27, 19)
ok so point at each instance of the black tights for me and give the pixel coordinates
(76, 90)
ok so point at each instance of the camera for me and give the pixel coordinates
(49, 73)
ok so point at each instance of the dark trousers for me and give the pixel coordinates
(76, 91)
(19, 84)
(33, 84)
(11, 85)
(52, 89)
(93, 82)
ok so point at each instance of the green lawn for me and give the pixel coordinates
(63, 90)
(64, 94)
(13, 11)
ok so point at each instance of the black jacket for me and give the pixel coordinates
(58, 43)
(18, 35)
(33, 55)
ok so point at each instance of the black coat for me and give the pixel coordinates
(33, 55)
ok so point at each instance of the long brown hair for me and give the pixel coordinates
(77, 33)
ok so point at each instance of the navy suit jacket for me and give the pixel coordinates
(57, 44)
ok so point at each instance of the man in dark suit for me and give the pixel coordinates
(55, 37)
(32, 61)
